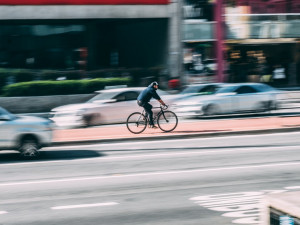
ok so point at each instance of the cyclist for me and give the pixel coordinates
(144, 98)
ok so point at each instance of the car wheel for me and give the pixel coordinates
(274, 105)
(29, 148)
(89, 120)
(211, 110)
(263, 107)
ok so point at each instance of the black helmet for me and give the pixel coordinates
(154, 83)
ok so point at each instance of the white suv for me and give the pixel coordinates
(26, 134)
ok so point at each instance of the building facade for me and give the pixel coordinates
(259, 41)
(90, 34)
(194, 40)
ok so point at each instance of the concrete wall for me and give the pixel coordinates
(39, 104)
(175, 57)
(83, 12)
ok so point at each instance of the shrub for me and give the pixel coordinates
(41, 88)
(2, 82)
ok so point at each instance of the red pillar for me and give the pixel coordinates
(219, 35)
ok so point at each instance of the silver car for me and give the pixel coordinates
(230, 99)
(107, 107)
(26, 134)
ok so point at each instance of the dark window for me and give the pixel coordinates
(127, 96)
(132, 95)
(210, 89)
(245, 90)
(120, 97)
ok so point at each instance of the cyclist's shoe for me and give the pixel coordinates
(153, 127)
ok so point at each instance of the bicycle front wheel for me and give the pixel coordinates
(167, 121)
(136, 123)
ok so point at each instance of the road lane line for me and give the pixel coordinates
(3, 212)
(149, 174)
(84, 205)
(171, 153)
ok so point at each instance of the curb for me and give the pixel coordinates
(170, 137)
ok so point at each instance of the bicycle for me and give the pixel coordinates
(166, 120)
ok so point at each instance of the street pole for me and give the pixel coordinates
(175, 40)
(219, 32)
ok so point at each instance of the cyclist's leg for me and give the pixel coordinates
(148, 109)
(141, 104)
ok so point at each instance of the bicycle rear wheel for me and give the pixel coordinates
(136, 123)
(167, 121)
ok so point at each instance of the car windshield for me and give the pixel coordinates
(264, 87)
(103, 96)
(226, 89)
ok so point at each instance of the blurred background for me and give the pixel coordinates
(190, 41)
(82, 63)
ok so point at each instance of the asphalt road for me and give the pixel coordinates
(172, 182)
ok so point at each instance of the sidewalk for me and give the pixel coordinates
(200, 128)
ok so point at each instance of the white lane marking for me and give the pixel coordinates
(242, 207)
(148, 174)
(84, 205)
(3, 212)
(236, 205)
(171, 153)
(293, 187)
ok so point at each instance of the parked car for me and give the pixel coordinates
(107, 107)
(230, 99)
(26, 134)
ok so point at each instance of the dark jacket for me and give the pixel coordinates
(146, 95)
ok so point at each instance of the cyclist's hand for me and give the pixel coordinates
(165, 106)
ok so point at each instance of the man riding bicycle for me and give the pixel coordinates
(144, 99)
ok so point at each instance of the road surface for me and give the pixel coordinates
(171, 182)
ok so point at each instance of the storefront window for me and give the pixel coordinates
(199, 62)
(40, 46)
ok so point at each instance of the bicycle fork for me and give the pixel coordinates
(163, 113)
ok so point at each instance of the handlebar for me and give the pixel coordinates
(164, 107)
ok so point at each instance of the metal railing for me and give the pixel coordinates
(195, 30)
(259, 26)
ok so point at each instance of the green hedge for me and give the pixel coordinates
(14, 76)
(41, 88)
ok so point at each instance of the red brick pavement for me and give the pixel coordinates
(184, 128)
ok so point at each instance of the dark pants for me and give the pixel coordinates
(148, 109)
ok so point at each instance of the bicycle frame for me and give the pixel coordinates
(155, 118)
